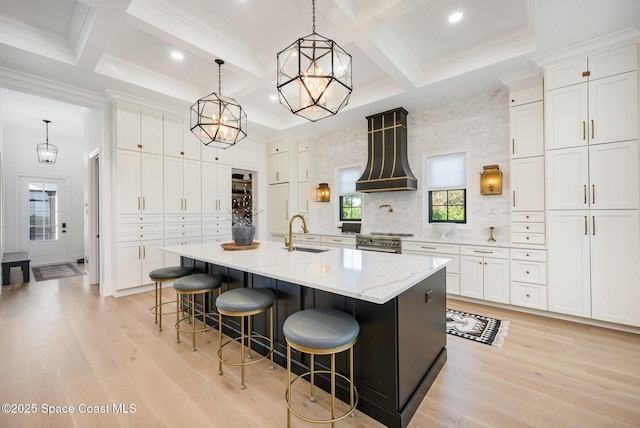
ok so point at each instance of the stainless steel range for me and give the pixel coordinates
(381, 242)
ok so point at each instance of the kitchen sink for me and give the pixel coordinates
(310, 249)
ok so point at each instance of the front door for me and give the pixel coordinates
(43, 222)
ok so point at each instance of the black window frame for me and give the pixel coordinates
(464, 206)
(341, 207)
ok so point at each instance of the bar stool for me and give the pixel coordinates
(244, 302)
(191, 286)
(321, 332)
(159, 276)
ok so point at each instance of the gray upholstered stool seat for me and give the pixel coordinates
(321, 332)
(187, 288)
(159, 276)
(245, 302)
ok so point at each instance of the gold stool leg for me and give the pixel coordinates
(193, 322)
(160, 306)
(178, 316)
(312, 396)
(219, 343)
(351, 384)
(288, 392)
(242, 352)
(333, 388)
(271, 334)
(155, 310)
(249, 333)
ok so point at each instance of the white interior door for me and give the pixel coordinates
(43, 218)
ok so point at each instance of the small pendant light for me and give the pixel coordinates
(47, 153)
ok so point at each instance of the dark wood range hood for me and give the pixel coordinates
(387, 164)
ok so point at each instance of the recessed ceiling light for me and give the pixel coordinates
(273, 97)
(177, 56)
(455, 17)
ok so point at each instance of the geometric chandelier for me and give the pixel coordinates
(314, 76)
(218, 119)
(47, 153)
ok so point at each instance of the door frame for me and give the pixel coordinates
(93, 261)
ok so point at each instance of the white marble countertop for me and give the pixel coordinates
(366, 275)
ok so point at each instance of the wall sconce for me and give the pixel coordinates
(323, 193)
(491, 180)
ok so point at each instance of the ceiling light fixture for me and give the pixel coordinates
(218, 119)
(177, 56)
(314, 76)
(47, 153)
(455, 17)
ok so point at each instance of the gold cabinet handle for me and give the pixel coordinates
(593, 129)
(593, 193)
(143, 204)
(514, 198)
(138, 203)
(513, 146)
(585, 193)
(584, 130)
(185, 204)
(144, 251)
(593, 224)
(585, 225)
(139, 253)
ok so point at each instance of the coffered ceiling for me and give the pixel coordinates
(405, 52)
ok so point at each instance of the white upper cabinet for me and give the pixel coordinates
(565, 117)
(177, 141)
(568, 179)
(216, 188)
(138, 129)
(598, 66)
(279, 168)
(303, 166)
(139, 183)
(527, 184)
(182, 183)
(527, 130)
(151, 131)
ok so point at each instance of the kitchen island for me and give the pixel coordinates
(398, 300)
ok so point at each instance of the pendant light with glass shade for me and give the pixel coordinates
(314, 76)
(219, 120)
(47, 153)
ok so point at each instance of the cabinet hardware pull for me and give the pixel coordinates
(428, 248)
(527, 254)
(286, 205)
(585, 193)
(307, 203)
(485, 263)
(593, 129)
(513, 146)
(593, 194)
(527, 272)
(479, 263)
(277, 175)
(337, 240)
(514, 198)
(593, 222)
(138, 203)
(527, 295)
(139, 253)
(483, 252)
(144, 205)
(584, 130)
(144, 251)
(585, 225)
(185, 204)
(306, 173)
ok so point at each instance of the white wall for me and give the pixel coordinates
(479, 124)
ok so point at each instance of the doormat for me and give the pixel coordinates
(65, 270)
(489, 331)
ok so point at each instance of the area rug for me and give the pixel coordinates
(65, 270)
(478, 328)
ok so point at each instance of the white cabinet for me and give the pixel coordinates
(216, 227)
(603, 176)
(279, 168)
(450, 251)
(338, 241)
(303, 166)
(134, 262)
(527, 184)
(138, 129)
(600, 111)
(593, 264)
(528, 278)
(485, 274)
(304, 197)
(182, 186)
(527, 130)
(138, 182)
(178, 140)
(279, 208)
(526, 93)
(216, 188)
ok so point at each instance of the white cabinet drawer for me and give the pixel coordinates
(529, 295)
(310, 239)
(528, 238)
(496, 252)
(137, 232)
(533, 272)
(452, 267)
(339, 241)
(430, 247)
(181, 234)
(216, 232)
(528, 216)
(216, 218)
(136, 218)
(278, 147)
(176, 227)
(181, 218)
(527, 227)
(528, 255)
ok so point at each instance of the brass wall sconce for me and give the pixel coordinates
(491, 180)
(323, 193)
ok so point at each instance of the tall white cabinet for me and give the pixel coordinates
(591, 118)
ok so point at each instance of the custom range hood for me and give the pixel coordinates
(387, 164)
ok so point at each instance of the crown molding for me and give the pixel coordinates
(34, 85)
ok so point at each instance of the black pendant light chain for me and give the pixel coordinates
(219, 62)
(313, 11)
(47, 125)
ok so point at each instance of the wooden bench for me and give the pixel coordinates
(20, 259)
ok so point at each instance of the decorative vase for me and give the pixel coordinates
(243, 232)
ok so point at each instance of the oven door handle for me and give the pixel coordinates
(379, 249)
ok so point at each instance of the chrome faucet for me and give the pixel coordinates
(289, 242)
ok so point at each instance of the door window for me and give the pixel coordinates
(43, 211)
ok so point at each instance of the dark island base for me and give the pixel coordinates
(400, 350)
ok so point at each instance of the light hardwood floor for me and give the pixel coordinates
(62, 344)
